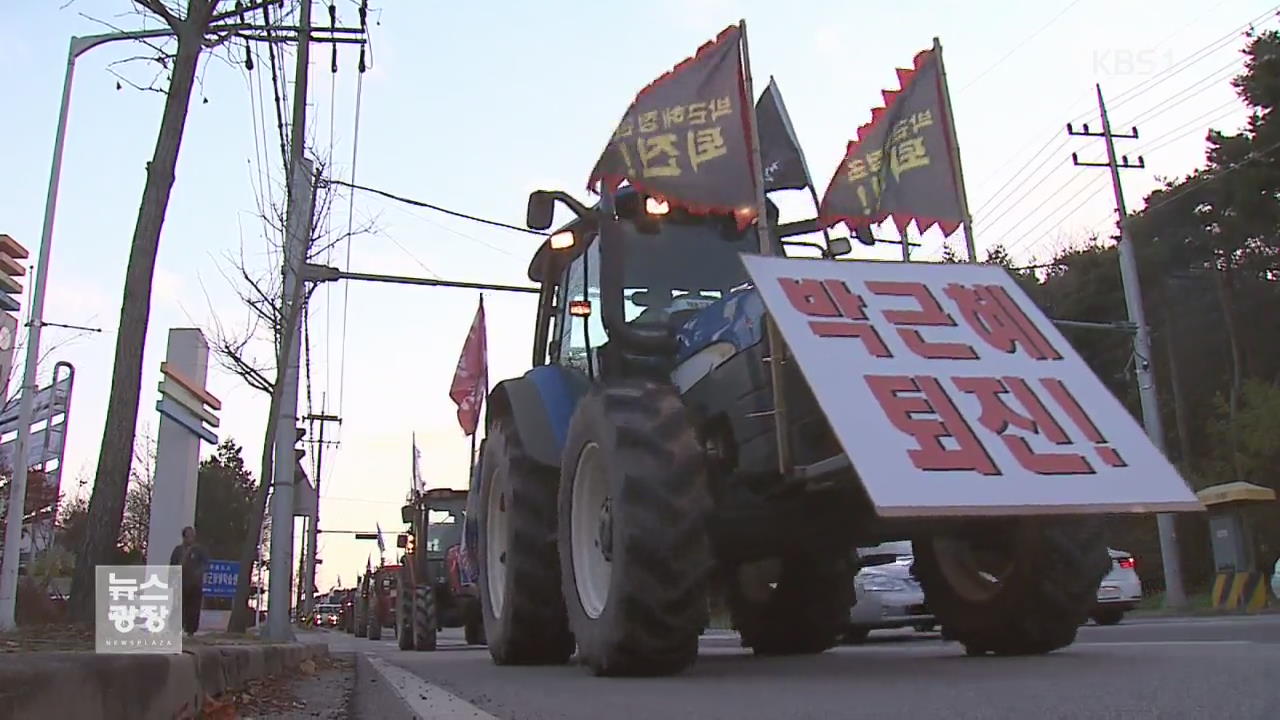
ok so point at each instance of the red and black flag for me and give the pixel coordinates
(901, 165)
(686, 136)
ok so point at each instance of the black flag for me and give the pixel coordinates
(685, 137)
(901, 164)
(780, 154)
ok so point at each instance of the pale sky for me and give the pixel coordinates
(471, 106)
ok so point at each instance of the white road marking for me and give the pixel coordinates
(426, 701)
(1139, 643)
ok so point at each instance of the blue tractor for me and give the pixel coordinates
(633, 471)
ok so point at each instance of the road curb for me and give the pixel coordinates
(92, 686)
(390, 692)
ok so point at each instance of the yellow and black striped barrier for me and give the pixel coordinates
(1246, 591)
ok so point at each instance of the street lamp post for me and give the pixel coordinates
(18, 484)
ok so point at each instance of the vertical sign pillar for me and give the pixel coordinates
(182, 419)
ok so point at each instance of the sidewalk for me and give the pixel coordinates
(58, 675)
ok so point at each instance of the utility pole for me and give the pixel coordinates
(298, 236)
(308, 572)
(1175, 595)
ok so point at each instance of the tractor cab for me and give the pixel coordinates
(617, 288)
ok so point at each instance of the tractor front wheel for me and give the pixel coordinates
(520, 602)
(1020, 587)
(805, 612)
(404, 610)
(424, 618)
(634, 551)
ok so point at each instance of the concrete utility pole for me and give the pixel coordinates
(1175, 596)
(308, 574)
(298, 236)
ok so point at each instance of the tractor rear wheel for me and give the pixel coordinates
(634, 551)
(424, 618)
(404, 610)
(375, 619)
(806, 612)
(1020, 587)
(474, 626)
(361, 610)
(520, 602)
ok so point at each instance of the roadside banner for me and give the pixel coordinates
(953, 394)
(220, 578)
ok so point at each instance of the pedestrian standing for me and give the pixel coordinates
(193, 559)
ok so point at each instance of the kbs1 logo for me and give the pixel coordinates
(1126, 61)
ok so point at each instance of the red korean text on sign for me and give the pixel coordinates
(843, 311)
(998, 320)
(998, 417)
(903, 397)
(929, 314)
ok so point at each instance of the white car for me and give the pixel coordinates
(1119, 591)
(887, 595)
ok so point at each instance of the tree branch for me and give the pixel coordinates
(156, 6)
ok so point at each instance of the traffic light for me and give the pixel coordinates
(10, 253)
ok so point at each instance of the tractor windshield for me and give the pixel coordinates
(667, 277)
(444, 533)
(670, 275)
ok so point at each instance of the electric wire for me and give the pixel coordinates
(437, 208)
(1129, 95)
(1026, 39)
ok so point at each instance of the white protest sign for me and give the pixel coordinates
(953, 394)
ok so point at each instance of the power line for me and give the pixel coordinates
(351, 199)
(1020, 45)
(1135, 92)
(1190, 185)
(437, 208)
(1205, 51)
(991, 203)
(1189, 127)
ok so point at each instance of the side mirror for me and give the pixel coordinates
(541, 210)
(839, 247)
(402, 541)
(406, 514)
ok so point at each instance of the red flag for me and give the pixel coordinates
(471, 379)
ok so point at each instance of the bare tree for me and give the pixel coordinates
(197, 25)
(237, 350)
(136, 524)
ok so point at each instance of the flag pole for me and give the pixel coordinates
(471, 469)
(954, 143)
(777, 348)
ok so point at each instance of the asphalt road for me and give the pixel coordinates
(1156, 668)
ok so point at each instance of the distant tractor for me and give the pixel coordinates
(436, 588)
(375, 602)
